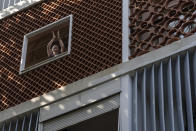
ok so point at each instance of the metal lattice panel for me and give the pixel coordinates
(96, 45)
(164, 95)
(155, 23)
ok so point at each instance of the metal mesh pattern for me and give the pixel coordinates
(96, 45)
(155, 23)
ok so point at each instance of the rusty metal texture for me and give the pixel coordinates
(96, 46)
(156, 23)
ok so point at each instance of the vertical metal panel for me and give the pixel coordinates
(188, 93)
(23, 123)
(6, 2)
(16, 1)
(16, 128)
(152, 99)
(11, 2)
(194, 77)
(171, 79)
(37, 122)
(3, 129)
(144, 99)
(161, 97)
(10, 125)
(26, 122)
(135, 101)
(1, 5)
(170, 94)
(179, 94)
(30, 121)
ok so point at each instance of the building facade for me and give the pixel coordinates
(122, 65)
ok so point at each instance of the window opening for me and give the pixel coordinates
(46, 44)
(105, 122)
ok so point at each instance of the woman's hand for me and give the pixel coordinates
(53, 35)
(60, 42)
(58, 35)
(49, 50)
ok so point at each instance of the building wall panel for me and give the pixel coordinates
(164, 95)
(96, 45)
(156, 23)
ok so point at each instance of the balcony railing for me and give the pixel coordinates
(26, 122)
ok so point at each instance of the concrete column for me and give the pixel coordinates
(125, 115)
(125, 96)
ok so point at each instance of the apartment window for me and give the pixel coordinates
(99, 116)
(46, 44)
(104, 122)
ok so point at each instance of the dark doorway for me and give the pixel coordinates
(104, 122)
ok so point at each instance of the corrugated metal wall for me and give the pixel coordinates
(6, 3)
(27, 122)
(164, 95)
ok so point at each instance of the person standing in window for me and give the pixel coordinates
(55, 47)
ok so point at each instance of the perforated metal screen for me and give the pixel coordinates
(155, 23)
(96, 45)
